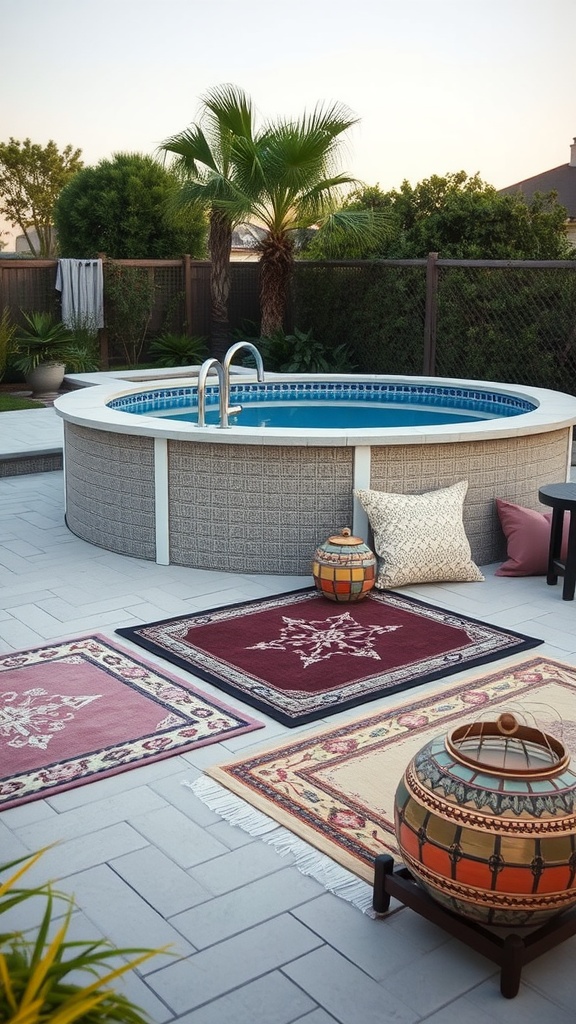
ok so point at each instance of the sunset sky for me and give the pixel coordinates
(485, 86)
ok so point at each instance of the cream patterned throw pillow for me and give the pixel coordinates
(420, 538)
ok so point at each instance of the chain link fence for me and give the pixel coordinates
(510, 324)
(513, 322)
(377, 309)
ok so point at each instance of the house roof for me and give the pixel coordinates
(561, 180)
(247, 236)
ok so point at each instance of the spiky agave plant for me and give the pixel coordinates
(41, 340)
(34, 972)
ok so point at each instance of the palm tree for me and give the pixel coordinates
(286, 176)
(205, 164)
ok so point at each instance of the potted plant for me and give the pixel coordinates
(39, 974)
(45, 349)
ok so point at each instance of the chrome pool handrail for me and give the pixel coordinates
(236, 348)
(223, 372)
(224, 383)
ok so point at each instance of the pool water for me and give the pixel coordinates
(331, 415)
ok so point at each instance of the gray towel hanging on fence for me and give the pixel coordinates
(81, 283)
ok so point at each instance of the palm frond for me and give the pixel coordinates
(230, 109)
(359, 228)
(192, 149)
(333, 120)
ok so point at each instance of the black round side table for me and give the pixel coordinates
(561, 498)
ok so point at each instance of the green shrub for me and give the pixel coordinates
(178, 349)
(300, 352)
(7, 332)
(130, 294)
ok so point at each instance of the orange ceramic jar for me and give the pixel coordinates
(485, 820)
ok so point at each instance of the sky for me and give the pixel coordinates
(438, 86)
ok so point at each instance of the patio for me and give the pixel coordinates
(149, 863)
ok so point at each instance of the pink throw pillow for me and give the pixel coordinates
(527, 535)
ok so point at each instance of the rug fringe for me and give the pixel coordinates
(308, 860)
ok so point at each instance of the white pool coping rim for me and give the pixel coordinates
(87, 406)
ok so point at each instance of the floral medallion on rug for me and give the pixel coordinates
(83, 709)
(334, 790)
(299, 657)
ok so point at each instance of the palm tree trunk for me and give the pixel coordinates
(275, 272)
(220, 244)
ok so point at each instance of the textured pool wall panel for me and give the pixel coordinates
(512, 468)
(265, 508)
(255, 508)
(110, 490)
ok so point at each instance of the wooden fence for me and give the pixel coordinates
(181, 290)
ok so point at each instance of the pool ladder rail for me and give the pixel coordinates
(223, 371)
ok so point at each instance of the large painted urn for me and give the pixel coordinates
(485, 820)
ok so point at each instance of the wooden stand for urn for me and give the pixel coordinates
(344, 568)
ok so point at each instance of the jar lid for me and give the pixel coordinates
(345, 537)
(507, 748)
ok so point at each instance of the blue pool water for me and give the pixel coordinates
(329, 415)
(330, 405)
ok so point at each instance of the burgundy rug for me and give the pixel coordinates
(85, 709)
(299, 657)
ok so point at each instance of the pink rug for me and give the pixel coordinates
(84, 709)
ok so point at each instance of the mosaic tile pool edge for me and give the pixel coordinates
(470, 399)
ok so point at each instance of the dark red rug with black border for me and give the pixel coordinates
(298, 657)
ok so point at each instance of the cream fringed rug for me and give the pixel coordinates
(328, 797)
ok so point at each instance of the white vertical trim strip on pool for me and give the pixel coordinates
(64, 471)
(162, 514)
(361, 480)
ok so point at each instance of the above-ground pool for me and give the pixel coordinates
(260, 498)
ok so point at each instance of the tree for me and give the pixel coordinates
(124, 207)
(31, 179)
(204, 163)
(288, 180)
(460, 217)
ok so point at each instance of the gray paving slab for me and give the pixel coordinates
(125, 918)
(163, 884)
(90, 816)
(242, 908)
(373, 945)
(65, 858)
(345, 991)
(234, 962)
(240, 866)
(170, 830)
(142, 852)
(272, 999)
(427, 985)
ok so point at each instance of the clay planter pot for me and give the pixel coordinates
(344, 568)
(46, 378)
(485, 820)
